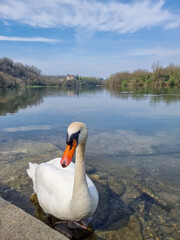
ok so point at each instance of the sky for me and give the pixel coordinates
(90, 37)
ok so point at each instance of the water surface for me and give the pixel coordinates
(133, 149)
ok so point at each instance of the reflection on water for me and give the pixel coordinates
(166, 95)
(133, 152)
(11, 100)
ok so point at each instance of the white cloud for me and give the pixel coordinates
(157, 52)
(93, 15)
(23, 39)
(173, 24)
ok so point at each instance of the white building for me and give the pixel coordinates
(71, 77)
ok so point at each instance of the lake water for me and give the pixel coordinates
(133, 152)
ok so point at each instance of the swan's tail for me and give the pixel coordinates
(31, 172)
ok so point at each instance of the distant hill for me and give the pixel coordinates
(18, 70)
(16, 74)
(13, 74)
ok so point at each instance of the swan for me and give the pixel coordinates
(63, 189)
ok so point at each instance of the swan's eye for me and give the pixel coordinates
(74, 136)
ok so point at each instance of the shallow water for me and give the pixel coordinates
(133, 152)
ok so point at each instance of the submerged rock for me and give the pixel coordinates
(147, 193)
(15, 184)
(131, 231)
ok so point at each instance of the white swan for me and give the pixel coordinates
(66, 193)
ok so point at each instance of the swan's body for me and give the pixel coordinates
(66, 192)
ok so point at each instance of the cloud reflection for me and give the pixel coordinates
(27, 128)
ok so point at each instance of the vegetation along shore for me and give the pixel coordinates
(159, 77)
(14, 74)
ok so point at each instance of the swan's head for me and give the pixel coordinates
(76, 134)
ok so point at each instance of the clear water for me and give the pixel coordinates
(134, 138)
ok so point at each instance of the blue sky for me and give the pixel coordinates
(90, 37)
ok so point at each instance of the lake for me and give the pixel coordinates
(132, 154)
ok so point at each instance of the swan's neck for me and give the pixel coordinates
(81, 197)
(80, 175)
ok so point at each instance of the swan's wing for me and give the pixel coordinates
(55, 181)
(54, 187)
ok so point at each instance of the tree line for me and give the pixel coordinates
(13, 74)
(159, 77)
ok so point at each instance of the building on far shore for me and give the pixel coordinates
(71, 77)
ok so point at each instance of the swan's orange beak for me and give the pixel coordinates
(68, 154)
